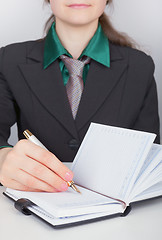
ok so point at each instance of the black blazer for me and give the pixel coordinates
(123, 95)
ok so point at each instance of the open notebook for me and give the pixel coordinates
(113, 168)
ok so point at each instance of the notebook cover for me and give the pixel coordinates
(23, 204)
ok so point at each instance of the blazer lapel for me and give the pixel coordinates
(48, 87)
(100, 82)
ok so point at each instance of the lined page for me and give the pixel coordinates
(69, 203)
(110, 158)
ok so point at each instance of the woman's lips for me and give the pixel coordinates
(79, 5)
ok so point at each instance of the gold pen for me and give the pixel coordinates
(33, 139)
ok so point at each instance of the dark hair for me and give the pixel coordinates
(113, 35)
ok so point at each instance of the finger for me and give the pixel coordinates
(13, 184)
(32, 182)
(46, 158)
(17, 186)
(43, 173)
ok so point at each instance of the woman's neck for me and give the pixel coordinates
(75, 38)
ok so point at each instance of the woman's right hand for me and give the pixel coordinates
(28, 167)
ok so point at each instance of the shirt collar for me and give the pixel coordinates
(53, 47)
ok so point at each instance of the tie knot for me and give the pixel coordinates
(74, 66)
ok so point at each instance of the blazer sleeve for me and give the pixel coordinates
(148, 118)
(7, 106)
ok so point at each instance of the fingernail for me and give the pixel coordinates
(68, 176)
(64, 186)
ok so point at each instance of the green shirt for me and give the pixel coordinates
(97, 49)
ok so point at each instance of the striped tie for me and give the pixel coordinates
(74, 86)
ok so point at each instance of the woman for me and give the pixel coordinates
(119, 89)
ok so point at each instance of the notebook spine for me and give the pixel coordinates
(127, 211)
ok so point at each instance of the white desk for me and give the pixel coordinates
(143, 222)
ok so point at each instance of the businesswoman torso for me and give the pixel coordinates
(119, 90)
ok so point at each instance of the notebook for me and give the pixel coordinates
(113, 168)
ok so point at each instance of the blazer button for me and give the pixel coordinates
(73, 144)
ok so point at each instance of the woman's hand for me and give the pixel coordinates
(29, 167)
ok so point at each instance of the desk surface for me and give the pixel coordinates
(143, 222)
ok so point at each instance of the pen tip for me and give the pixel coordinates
(72, 185)
(75, 189)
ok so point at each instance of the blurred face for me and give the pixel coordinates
(77, 12)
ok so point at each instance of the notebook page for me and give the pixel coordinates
(153, 159)
(154, 177)
(153, 191)
(66, 204)
(110, 158)
(115, 209)
(150, 167)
